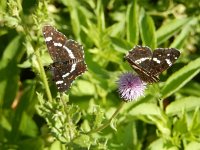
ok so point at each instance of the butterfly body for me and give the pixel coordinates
(67, 55)
(149, 65)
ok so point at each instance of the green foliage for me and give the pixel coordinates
(33, 115)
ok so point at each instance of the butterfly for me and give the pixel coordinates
(67, 55)
(149, 65)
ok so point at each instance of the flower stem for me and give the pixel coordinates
(109, 121)
(104, 125)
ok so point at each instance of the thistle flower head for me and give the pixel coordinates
(130, 87)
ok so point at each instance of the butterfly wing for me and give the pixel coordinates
(75, 50)
(67, 55)
(64, 73)
(162, 59)
(55, 41)
(140, 60)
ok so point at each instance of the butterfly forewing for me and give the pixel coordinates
(140, 56)
(162, 59)
(140, 60)
(55, 40)
(76, 49)
(67, 55)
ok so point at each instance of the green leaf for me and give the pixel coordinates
(195, 125)
(21, 121)
(169, 29)
(132, 23)
(83, 88)
(83, 141)
(147, 30)
(9, 71)
(33, 144)
(179, 41)
(180, 125)
(100, 16)
(180, 78)
(74, 15)
(27, 126)
(187, 104)
(120, 44)
(145, 109)
(192, 145)
(157, 144)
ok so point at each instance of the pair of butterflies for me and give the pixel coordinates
(68, 59)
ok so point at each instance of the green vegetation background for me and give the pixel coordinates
(33, 115)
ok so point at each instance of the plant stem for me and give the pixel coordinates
(43, 76)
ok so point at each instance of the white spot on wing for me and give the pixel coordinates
(72, 69)
(65, 75)
(156, 60)
(71, 55)
(48, 39)
(59, 82)
(57, 44)
(168, 62)
(141, 60)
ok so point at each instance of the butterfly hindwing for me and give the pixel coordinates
(64, 74)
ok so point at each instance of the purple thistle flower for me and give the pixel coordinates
(130, 86)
